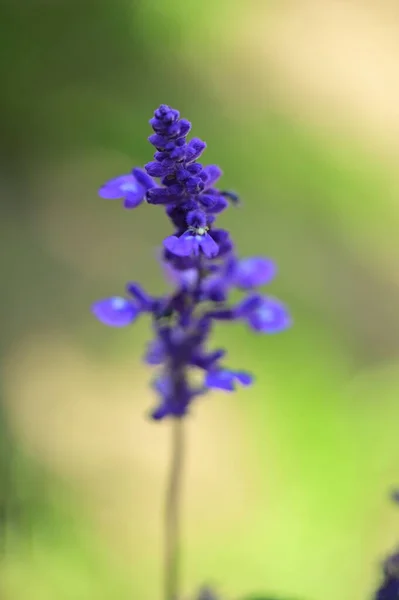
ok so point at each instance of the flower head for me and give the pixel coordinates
(265, 315)
(200, 261)
(115, 311)
(224, 379)
(132, 188)
(191, 242)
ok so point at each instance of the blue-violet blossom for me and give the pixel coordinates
(200, 260)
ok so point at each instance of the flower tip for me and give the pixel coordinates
(128, 187)
(158, 413)
(116, 188)
(174, 245)
(254, 272)
(115, 311)
(223, 379)
(270, 316)
(244, 378)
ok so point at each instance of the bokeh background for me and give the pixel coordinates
(286, 486)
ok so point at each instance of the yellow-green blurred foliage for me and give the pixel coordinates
(286, 485)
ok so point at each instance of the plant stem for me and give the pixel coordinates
(172, 510)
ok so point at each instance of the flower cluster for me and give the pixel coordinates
(200, 260)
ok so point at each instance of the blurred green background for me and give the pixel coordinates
(286, 489)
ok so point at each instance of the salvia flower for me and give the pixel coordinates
(115, 311)
(200, 261)
(132, 188)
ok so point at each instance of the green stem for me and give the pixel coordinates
(172, 513)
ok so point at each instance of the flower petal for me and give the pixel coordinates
(161, 195)
(194, 149)
(143, 179)
(119, 187)
(190, 243)
(115, 311)
(243, 377)
(215, 287)
(133, 200)
(222, 238)
(248, 305)
(181, 246)
(162, 385)
(160, 412)
(207, 361)
(252, 272)
(213, 173)
(270, 316)
(156, 169)
(224, 379)
(219, 206)
(221, 379)
(208, 245)
(144, 300)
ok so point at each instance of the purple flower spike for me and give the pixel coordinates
(115, 311)
(132, 188)
(223, 379)
(191, 242)
(269, 316)
(201, 264)
(253, 272)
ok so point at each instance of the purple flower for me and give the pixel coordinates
(224, 242)
(200, 262)
(223, 379)
(146, 302)
(213, 203)
(213, 174)
(253, 272)
(132, 188)
(115, 311)
(263, 314)
(194, 149)
(191, 242)
(245, 274)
